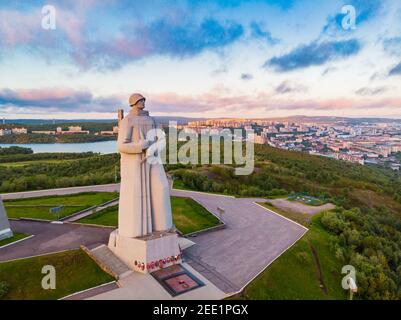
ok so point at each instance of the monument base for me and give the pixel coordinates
(149, 253)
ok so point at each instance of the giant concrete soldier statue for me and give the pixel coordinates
(144, 197)
(144, 214)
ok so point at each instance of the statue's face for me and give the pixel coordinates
(140, 104)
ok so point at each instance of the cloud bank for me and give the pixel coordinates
(314, 54)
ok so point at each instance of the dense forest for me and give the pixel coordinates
(56, 170)
(369, 240)
(15, 150)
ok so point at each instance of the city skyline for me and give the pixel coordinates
(209, 59)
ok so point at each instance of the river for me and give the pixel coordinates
(103, 147)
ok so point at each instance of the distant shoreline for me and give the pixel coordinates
(102, 147)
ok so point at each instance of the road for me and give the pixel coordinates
(231, 257)
(52, 192)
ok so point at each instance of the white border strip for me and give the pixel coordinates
(89, 224)
(204, 193)
(89, 289)
(15, 242)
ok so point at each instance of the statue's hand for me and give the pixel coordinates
(145, 144)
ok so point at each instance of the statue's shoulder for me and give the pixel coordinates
(134, 120)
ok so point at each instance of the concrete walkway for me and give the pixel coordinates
(86, 294)
(138, 286)
(115, 187)
(88, 212)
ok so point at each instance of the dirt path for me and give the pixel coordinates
(297, 207)
(319, 269)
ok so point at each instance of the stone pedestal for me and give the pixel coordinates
(5, 231)
(149, 253)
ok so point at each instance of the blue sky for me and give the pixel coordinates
(260, 58)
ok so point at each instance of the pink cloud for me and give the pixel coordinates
(218, 101)
(18, 28)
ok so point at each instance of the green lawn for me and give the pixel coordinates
(38, 208)
(106, 217)
(75, 271)
(17, 236)
(295, 276)
(188, 216)
(40, 212)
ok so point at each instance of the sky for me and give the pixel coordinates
(200, 58)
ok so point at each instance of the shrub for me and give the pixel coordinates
(332, 222)
(4, 288)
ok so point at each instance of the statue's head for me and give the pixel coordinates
(137, 101)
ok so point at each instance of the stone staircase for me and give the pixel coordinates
(109, 262)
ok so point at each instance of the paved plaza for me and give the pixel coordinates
(229, 258)
(51, 237)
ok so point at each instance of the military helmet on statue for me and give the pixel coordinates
(135, 98)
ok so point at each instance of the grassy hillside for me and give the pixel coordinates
(280, 172)
(365, 230)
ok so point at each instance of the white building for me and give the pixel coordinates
(5, 132)
(110, 133)
(19, 130)
(72, 130)
(44, 132)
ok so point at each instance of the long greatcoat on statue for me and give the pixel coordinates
(144, 187)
